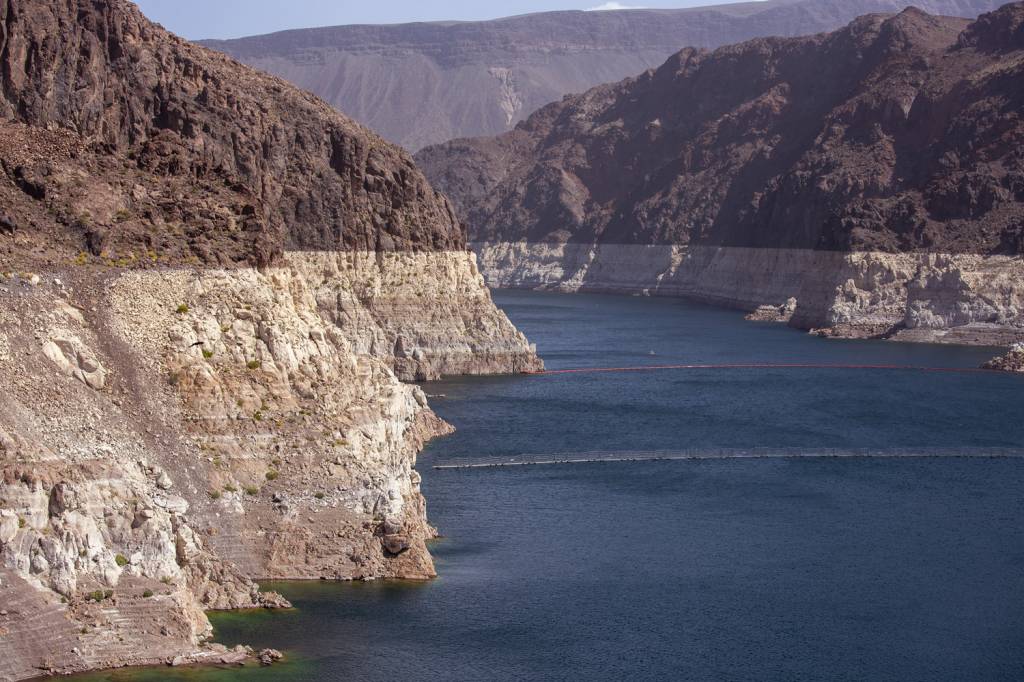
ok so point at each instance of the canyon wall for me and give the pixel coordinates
(937, 298)
(868, 182)
(425, 83)
(212, 288)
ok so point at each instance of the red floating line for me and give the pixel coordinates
(800, 365)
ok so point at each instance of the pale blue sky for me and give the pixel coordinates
(196, 19)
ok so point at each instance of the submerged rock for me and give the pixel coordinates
(269, 656)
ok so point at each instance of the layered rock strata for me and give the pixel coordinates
(945, 298)
(212, 286)
(875, 175)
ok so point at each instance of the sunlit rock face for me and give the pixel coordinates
(212, 287)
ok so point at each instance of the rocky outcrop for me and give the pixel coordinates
(1013, 361)
(874, 174)
(250, 424)
(146, 119)
(426, 83)
(211, 288)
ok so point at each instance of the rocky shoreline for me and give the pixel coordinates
(928, 298)
(214, 289)
(1013, 361)
(228, 425)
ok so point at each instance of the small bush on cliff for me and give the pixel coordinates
(272, 475)
(207, 354)
(214, 494)
(254, 364)
(230, 488)
(120, 560)
(252, 490)
(21, 522)
(183, 309)
(319, 496)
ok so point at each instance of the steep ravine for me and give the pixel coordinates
(213, 287)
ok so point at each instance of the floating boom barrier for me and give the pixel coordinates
(594, 457)
(765, 365)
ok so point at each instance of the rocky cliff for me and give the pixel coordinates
(867, 182)
(426, 83)
(211, 288)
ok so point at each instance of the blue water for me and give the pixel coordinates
(881, 569)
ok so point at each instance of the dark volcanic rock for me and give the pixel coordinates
(425, 83)
(121, 137)
(897, 133)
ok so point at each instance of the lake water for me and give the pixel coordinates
(766, 569)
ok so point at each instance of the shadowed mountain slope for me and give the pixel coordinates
(895, 135)
(421, 84)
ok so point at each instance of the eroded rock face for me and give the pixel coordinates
(177, 421)
(137, 119)
(952, 298)
(251, 425)
(891, 149)
(72, 358)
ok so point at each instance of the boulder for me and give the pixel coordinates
(74, 359)
(269, 656)
(395, 544)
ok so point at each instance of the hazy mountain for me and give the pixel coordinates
(419, 84)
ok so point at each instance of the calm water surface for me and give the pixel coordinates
(883, 569)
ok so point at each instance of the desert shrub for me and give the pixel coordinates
(272, 475)
(120, 560)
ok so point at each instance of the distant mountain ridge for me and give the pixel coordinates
(425, 83)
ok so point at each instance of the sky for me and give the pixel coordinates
(196, 19)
